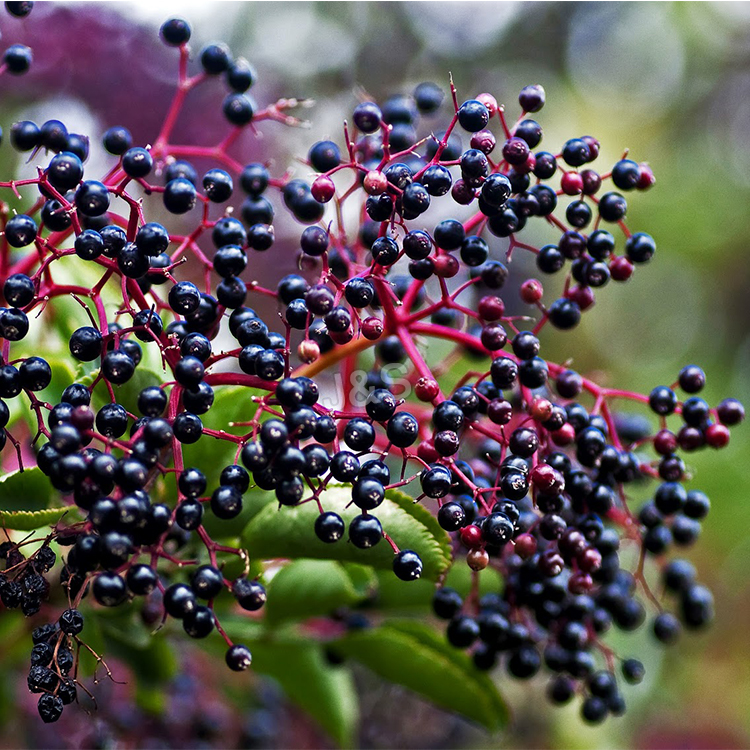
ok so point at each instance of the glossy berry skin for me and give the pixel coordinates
(141, 579)
(473, 116)
(250, 595)
(199, 623)
(407, 565)
(239, 110)
(329, 527)
(179, 600)
(175, 32)
(612, 207)
(109, 589)
(238, 657)
(365, 531)
(137, 162)
(17, 59)
(21, 230)
(532, 98)
(451, 516)
(207, 582)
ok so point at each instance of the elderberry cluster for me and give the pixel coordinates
(525, 463)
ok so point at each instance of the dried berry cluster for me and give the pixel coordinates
(525, 463)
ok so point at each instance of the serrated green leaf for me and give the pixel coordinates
(412, 654)
(325, 692)
(29, 520)
(26, 490)
(289, 532)
(308, 588)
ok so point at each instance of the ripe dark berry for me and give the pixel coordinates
(238, 657)
(564, 314)
(179, 599)
(17, 59)
(626, 174)
(137, 162)
(365, 531)
(329, 527)
(175, 32)
(473, 116)
(141, 579)
(21, 230)
(207, 582)
(531, 98)
(407, 565)
(613, 207)
(250, 595)
(109, 589)
(462, 631)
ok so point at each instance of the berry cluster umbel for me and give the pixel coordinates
(525, 477)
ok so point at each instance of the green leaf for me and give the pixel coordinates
(29, 520)
(289, 532)
(325, 692)
(309, 588)
(25, 490)
(411, 654)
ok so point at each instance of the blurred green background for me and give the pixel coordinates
(670, 82)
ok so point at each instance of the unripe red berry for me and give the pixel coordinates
(582, 295)
(580, 583)
(489, 101)
(372, 328)
(484, 141)
(541, 409)
(690, 438)
(342, 337)
(564, 436)
(532, 291)
(477, 559)
(665, 442)
(471, 536)
(491, 308)
(308, 351)
(462, 193)
(515, 151)
(646, 178)
(323, 189)
(592, 181)
(528, 165)
(82, 417)
(551, 563)
(375, 183)
(593, 145)
(571, 183)
(446, 266)
(426, 389)
(572, 543)
(620, 268)
(499, 411)
(717, 435)
(426, 451)
(525, 546)
(547, 480)
(590, 560)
